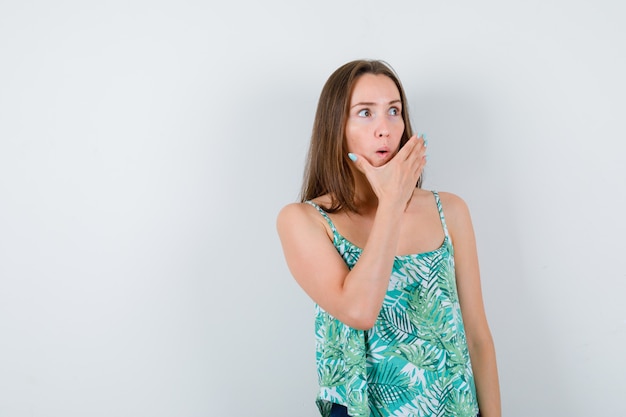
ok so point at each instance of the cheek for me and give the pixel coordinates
(352, 146)
(352, 137)
(400, 125)
(399, 130)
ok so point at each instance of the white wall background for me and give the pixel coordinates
(147, 146)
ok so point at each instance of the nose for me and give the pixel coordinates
(382, 130)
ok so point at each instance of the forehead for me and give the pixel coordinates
(374, 88)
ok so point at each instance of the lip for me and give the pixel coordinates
(382, 152)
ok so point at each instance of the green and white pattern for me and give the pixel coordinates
(414, 362)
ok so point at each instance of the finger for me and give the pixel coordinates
(416, 151)
(361, 163)
(421, 139)
(407, 148)
(423, 143)
(417, 160)
(419, 168)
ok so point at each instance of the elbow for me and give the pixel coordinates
(481, 344)
(363, 324)
(357, 312)
(360, 320)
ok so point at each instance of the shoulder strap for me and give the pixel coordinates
(323, 213)
(441, 216)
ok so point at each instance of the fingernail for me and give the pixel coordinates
(352, 156)
(425, 142)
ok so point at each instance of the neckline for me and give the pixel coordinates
(339, 237)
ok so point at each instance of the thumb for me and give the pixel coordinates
(361, 163)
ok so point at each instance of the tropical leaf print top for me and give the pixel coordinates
(414, 362)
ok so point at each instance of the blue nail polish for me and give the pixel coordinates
(352, 156)
(425, 142)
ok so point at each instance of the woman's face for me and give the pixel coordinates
(374, 126)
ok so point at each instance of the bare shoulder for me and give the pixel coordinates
(455, 210)
(452, 201)
(291, 210)
(293, 213)
(298, 217)
(298, 211)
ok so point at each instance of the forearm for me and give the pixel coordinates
(366, 284)
(484, 365)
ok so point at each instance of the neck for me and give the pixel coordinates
(364, 196)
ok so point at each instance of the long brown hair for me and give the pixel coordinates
(327, 168)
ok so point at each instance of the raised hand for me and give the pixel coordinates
(394, 182)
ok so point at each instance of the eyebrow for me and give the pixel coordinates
(368, 103)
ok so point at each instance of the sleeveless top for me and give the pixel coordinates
(414, 362)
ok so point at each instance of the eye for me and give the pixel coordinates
(364, 113)
(394, 111)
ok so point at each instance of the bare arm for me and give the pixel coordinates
(352, 296)
(479, 340)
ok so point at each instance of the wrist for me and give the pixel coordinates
(393, 209)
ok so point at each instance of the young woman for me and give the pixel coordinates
(400, 325)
